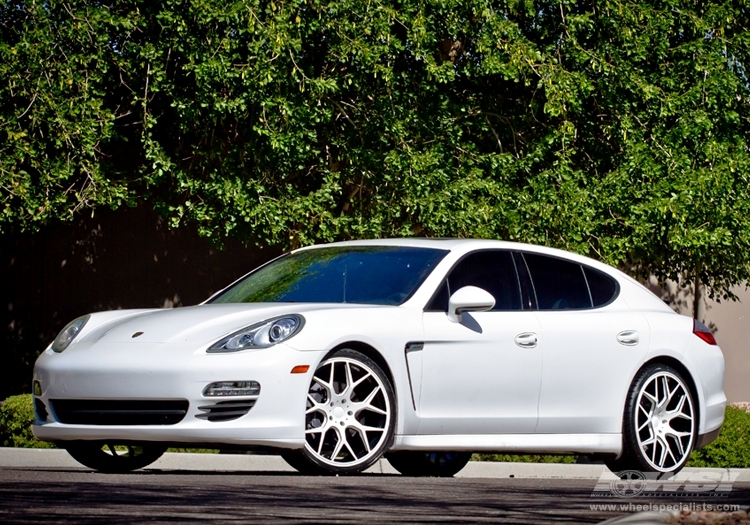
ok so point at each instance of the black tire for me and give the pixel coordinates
(348, 427)
(298, 461)
(115, 458)
(623, 464)
(428, 464)
(660, 424)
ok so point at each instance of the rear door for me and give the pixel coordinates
(593, 346)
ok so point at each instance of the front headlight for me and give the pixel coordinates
(261, 335)
(66, 336)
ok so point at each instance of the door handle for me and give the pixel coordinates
(526, 340)
(628, 337)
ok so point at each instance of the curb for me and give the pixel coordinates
(56, 458)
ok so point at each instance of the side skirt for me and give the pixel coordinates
(515, 443)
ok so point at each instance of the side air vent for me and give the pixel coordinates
(119, 412)
(226, 410)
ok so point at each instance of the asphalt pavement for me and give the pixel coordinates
(48, 486)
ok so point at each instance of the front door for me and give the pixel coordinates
(482, 375)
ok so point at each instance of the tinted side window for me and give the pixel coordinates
(559, 284)
(439, 301)
(492, 271)
(602, 287)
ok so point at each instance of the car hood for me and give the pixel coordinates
(202, 324)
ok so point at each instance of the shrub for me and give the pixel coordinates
(528, 458)
(16, 416)
(732, 448)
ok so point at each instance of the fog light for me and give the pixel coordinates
(232, 388)
(37, 388)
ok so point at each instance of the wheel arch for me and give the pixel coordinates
(370, 352)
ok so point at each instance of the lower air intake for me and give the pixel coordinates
(119, 412)
(40, 409)
(226, 410)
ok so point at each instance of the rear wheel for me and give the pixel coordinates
(349, 416)
(660, 424)
(428, 464)
(113, 457)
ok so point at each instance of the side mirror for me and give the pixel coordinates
(469, 299)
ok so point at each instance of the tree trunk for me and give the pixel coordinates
(697, 295)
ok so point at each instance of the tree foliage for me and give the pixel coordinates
(616, 129)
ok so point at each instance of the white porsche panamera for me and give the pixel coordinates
(422, 350)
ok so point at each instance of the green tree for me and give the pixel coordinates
(59, 105)
(614, 129)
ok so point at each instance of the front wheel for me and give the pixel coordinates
(115, 458)
(428, 464)
(349, 416)
(660, 424)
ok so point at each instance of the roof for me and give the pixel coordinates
(423, 242)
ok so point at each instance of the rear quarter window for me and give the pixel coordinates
(603, 288)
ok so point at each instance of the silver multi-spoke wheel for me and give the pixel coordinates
(660, 424)
(665, 421)
(349, 412)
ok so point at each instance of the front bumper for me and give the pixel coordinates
(170, 371)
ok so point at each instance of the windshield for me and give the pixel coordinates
(386, 275)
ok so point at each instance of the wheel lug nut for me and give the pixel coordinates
(350, 412)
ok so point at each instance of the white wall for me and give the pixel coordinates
(731, 321)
